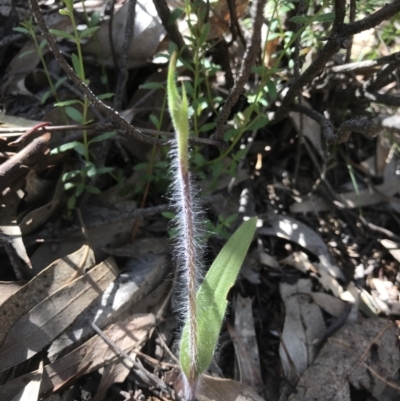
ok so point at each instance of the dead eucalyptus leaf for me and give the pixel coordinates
(52, 316)
(212, 389)
(41, 286)
(294, 230)
(92, 355)
(245, 343)
(148, 33)
(139, 278)
(330, 304)
(31, 390)
(303, 325)
(8, 288)
(364, 354)
(30, 220)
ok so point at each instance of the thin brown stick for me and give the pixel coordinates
(249, 59)
(123, 65)
(172, 29)
(102, 107)
(369, 127)
(16, 167)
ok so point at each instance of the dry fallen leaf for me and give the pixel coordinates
(364, 354)
(92, 355)
(294, 230)
(330, 304)
(303, 325)
(31, 390)
(245, 343)
(41, 286)
(139, 278)
(148, 33)
(47, 320)
(216, 389)
(8, 288)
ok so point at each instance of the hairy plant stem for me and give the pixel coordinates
(187, 223)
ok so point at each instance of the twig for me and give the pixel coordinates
(110, 34)
(234, 25)
(370, 128)
(372, 20)
(380, 79)
(388, 100)
(99, 127)
(352, 17)
(350, 67)
(123, 65)
(152, 379)
(300, 11)
(339, 38)
(326, 125)
(15, 168)
(172, 29)
(249, 59)
(335, 42)
(112, 114)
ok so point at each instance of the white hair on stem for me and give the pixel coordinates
(188, 251)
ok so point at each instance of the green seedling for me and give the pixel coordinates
(204, 305)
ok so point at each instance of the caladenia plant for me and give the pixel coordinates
(204, 303)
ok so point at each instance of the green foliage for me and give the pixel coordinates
(212, 297)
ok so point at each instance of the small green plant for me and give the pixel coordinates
(28, 28)
(77, 110)
(205, 304)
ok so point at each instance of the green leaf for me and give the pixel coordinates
(93, 190)
(69, 185)
(103, 137)
(204, 34)
(328, 17)
(66, 103)
(154, 120)
(26, 53)
(43, 43)
(230, 134)
(152, 85)
(65, 147)
(140, 166)
(79, 189)
(104, 170)
(178, 108)
(95, 18)
(45, 96)
(217, 168)
(69, 175)
(64, 11)
(60, 82)
(168, 215)
(76, 64)
(75, 114)
(258, 123)
(89, 31)
(91, 170)
(80, 148)
(71, 202)
(211, 297)
(175, 15)
(105, 96)
(300, 19)
(20, 29)
(62, 34)
(271, 88)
